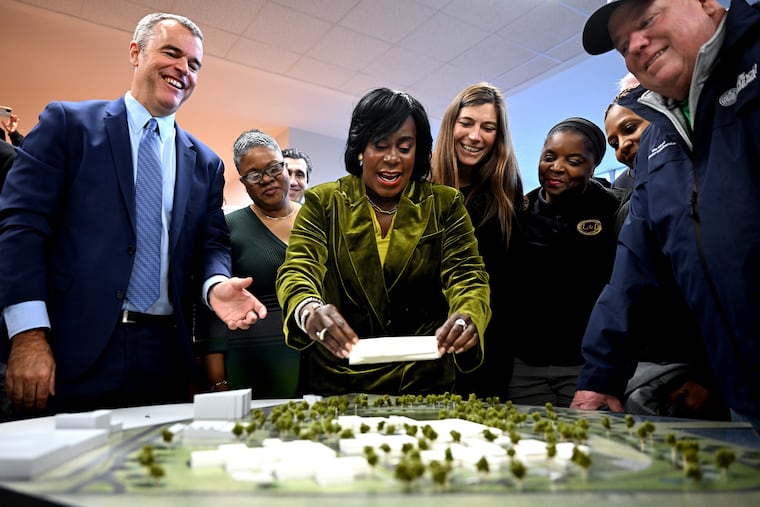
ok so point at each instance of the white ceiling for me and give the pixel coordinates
(309, 60)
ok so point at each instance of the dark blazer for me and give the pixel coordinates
(7, 155)
(67, 227)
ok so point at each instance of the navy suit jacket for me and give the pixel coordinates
(67, 227)
(7, 155)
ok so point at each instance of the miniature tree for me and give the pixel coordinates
(238, 430)
(250, 429)
(489, 435)
(643, 432)
(543, 426)
(372, 457)
(482, 466)
(364, 428)
(157, 472)
(409, 470)
(361, 400)
(689, 450)
(449, 456)
(456, 436)
(429, 433)
(440, 473)
(670, 439)
(514, 437)
(146, 456)
(693, 471)
(518, 470)
(581, 459)
(629, 422)
(580, 434)
(551, 451)
(724, 458)
(411, 429)
(386, 449)
(606, 424)
(566, 431)
(347, 433)
(167, 436)
(511, 452)
(423, 444)
(646, 430)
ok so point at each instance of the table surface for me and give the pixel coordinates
(73, 484)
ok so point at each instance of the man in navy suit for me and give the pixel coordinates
(68, 242)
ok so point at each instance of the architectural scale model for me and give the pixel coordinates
(378, 444)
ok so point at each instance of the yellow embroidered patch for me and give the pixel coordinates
(590, 227)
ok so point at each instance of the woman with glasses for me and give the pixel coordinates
(383, 252)
(259, 233)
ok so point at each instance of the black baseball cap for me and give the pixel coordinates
(596, 34)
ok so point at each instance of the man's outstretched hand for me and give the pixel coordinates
(234, 305)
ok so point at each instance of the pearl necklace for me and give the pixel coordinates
(377, 208)
(290, 214)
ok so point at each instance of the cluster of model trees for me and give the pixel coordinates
(318, 420)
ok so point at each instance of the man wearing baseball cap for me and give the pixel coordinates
(694, 219)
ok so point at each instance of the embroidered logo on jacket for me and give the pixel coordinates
(657, 149)
(744, 79)
(590, 227)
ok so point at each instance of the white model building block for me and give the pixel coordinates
(465, 428)
(208, 430)
(224, 405)
(98, 419)
(250, 459)
(354, 422)
(25, 455)
(355, 446)
(264, 477)
(484, 447)
(529, 449)
(341, 470)
(291, 470)
(304, 450)
(201, 459)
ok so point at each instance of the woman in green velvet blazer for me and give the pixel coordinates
(384, 252)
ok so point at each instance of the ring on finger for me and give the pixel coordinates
(321, 334)
(460, 322)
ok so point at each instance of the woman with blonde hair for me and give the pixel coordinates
(474, 154)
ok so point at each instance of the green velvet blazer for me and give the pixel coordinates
(431, 270)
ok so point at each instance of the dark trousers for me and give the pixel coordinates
(141, 365)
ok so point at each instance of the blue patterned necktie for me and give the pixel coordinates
(144, 283)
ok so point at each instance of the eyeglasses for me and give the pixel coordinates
(272, 171)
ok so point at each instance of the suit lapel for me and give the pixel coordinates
(406, 235)
(117, 129)
(183, 183)
(359, 235)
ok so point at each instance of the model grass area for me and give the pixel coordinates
(621, 460)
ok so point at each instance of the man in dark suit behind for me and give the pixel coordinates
(68, 237)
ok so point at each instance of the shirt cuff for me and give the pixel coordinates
(25, 316)
(213, 280)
